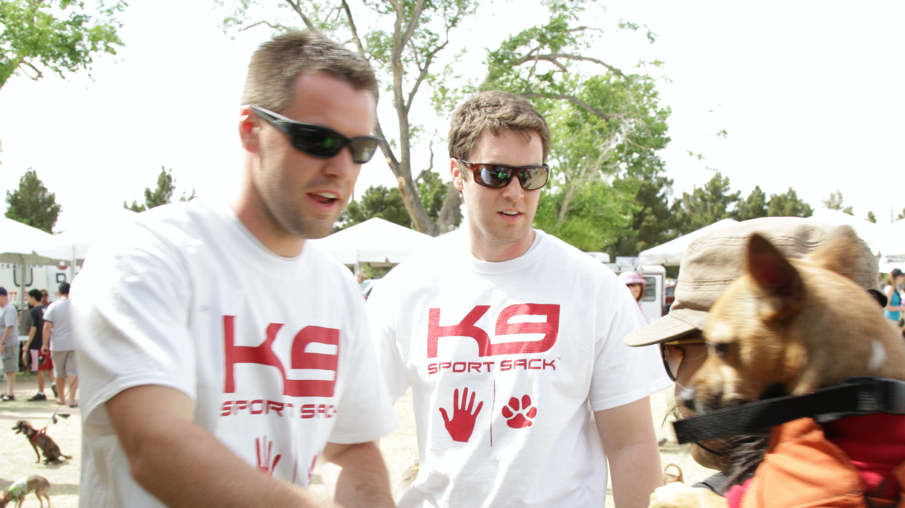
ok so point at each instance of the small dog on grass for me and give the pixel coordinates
(789, 326)
(17, 491)
(40, 440)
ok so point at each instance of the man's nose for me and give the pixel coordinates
(514, 190)
(341, 166)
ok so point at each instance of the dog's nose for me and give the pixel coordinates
(687, 398)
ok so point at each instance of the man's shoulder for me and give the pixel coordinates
(577, 260)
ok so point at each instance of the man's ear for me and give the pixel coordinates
(780, 282)
(456, 174)
(248, 129)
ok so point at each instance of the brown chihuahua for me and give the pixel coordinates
(788, 327)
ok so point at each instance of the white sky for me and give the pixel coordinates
(810, 93)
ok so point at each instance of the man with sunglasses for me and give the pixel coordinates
(223, 355)
(708, 266)
(511, 340)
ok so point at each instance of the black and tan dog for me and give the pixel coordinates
(793, 325)
(40, 440)
(17, 491)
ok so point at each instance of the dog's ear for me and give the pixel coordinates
(840, 253)
(777, 278)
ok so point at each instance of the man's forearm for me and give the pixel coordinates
(6, 333)
(363, 480)
(636, 473)
(189, 467)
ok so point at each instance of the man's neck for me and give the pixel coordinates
(260, 223)
(494, 252)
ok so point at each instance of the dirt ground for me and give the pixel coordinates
(399, 448)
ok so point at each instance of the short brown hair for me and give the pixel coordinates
(278, 62)
(494, 111)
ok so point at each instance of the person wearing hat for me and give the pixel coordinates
(637, 285)
(893, 311)
(710, 264)
(9, 343)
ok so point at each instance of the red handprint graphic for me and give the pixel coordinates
(519, 421)
(264, 455)
(462, 423)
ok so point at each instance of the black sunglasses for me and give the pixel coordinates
(320, 141)
(497, 176)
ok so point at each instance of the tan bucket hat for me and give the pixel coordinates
(715, 260)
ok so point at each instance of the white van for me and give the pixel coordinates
(46, 277)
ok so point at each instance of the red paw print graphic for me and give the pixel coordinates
(513, 412)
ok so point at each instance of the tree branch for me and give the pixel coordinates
(538, 58)
(423, 74)
(574, 100)
(272, 26)
(38, 73)
(416, 16)
(582, 59)
(298, 9)
(361, 48)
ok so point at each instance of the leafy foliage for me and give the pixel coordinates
(705, 205)
(753, 207)
(433, 194)
(607, 127)
(378, 202)
(32, 203)
(54, 35)
(834, 202)
(871, 217)
(161, 195)
(788, 205)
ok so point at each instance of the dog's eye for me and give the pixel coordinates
(720, 348)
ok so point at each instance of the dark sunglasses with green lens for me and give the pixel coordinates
(319, 141)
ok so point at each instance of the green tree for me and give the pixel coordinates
(55, 35)
(705, 205)
(871, 217)
(379, 202)
(834, 202)
(752, 207)
(788, 205)
(161, 195)
(404, 50)
(433, 195)
(607, 127)
(653, 223)
(32, 203)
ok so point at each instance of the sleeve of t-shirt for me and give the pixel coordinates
(48, 314)
(622, 374)
(10, 317)
(365, 412)
(36, 317)
(382, 319)
(129, 309)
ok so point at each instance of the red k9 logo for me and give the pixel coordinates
(299, 358)
(467, 328)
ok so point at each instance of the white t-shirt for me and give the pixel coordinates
(61, 332)
(274, 352)
(537, 342)
(10, 320)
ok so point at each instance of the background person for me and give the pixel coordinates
(709, 265)
(637, 285)
(9, 343)
(893, 310)
(222, 353)
(35, 346)
(61, 346)
(511, 340)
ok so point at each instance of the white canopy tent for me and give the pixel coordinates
(24, 245)
(75, 243)
(871, 233)
(375, 242)
(670, 253)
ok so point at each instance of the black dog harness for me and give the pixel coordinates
(857, 396)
